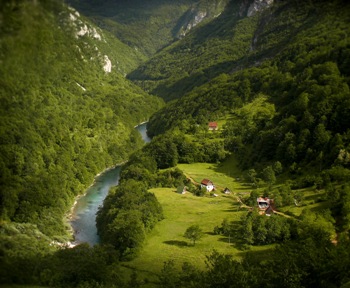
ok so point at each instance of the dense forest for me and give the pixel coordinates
(74, 83)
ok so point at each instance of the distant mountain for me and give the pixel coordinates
(212, 48)
(149, 26)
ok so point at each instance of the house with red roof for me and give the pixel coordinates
(209, 185)
(213, 126)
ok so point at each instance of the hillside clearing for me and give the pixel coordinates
(166, 241)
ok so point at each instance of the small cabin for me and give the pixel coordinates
(227, 191)
(213, 126)
(207, 184)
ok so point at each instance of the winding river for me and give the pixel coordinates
(83, 217)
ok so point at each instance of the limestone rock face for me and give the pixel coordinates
(107, 64)
(197, 17)
(199, 12)
(258, 5)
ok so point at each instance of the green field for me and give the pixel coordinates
(181, 211)
(166, 241)
(220, 174)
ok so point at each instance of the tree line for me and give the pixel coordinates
(311, 261)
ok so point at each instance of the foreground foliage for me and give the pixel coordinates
(129, 211)
(308, 262)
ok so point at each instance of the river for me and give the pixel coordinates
(83, 217)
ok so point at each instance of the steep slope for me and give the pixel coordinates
(289, 102)
(66, 110)
(210, 49)
(149, 26)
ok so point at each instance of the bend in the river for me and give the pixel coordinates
(83, 218)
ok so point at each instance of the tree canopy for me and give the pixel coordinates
(194, 233)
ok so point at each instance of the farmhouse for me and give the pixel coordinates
(213, 126)
(207, 184)
(265, 205)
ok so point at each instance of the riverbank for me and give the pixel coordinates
(83, 213)
(81, 218)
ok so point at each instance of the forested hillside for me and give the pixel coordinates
(282, 102)
(66, 109)
(292, 107)
(234, 41)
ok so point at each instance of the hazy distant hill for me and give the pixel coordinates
(210, 49)
(236, 39)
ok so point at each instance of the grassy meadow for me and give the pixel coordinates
(166, 241)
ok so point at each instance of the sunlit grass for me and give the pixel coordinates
(222, 175)
(166, 241)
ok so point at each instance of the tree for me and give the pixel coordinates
(247, 232)
(269, 175)
(251, 176)
(277, 167)
(164, 151)
(321, 136)
(194, 233)
(126, 232)
(224, 271)
(251, 201)
(168, 277)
